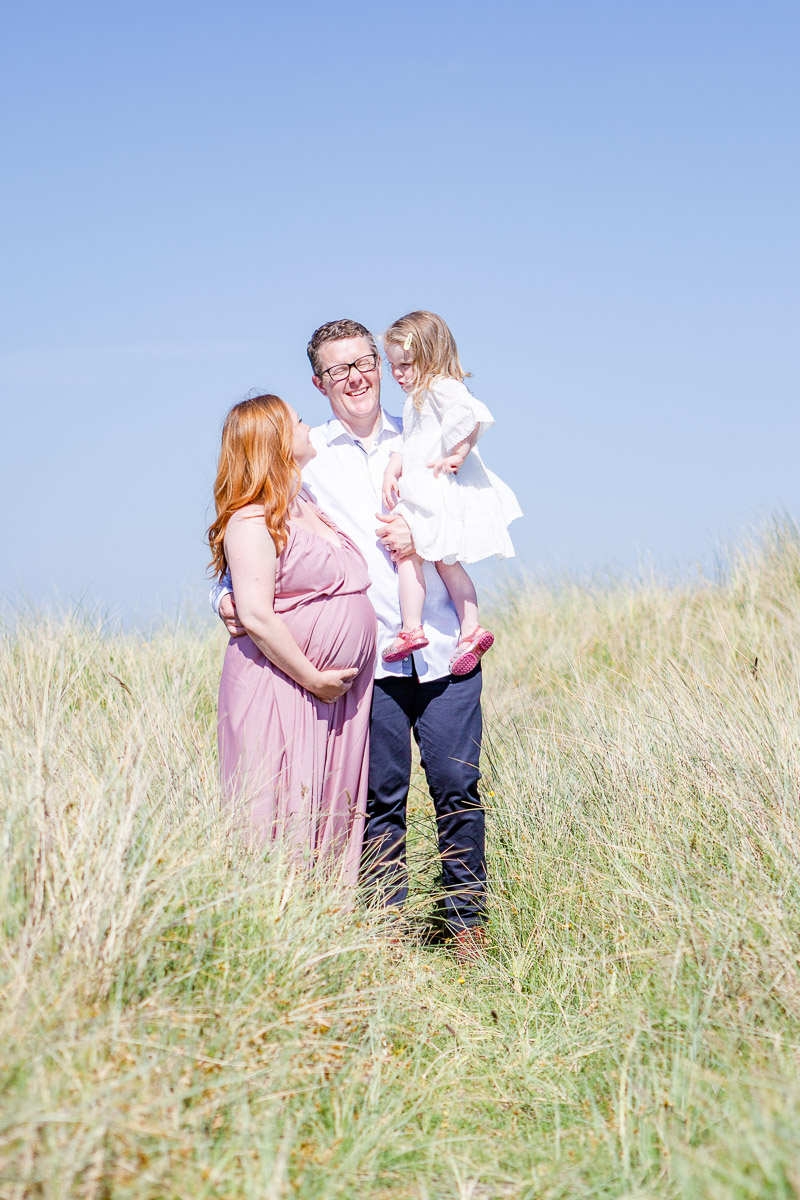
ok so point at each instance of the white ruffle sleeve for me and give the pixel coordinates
(458, 412)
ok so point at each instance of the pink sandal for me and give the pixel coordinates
(470, 650)
(405, 644)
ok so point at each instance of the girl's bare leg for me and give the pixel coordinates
(462, 593)
(411, 587)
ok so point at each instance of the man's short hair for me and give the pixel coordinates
(335, 331)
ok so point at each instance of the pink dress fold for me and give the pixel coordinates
(296, 765)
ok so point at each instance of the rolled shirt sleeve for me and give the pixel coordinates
(222, 587)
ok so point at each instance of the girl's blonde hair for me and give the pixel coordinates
(431, 347)
(256, 466)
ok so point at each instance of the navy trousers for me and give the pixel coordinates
(445, 718)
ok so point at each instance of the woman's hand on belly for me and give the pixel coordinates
(333, 684)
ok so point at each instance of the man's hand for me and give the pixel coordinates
(227, 614)
(395, 536)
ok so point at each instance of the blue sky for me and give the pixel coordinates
(600, 198)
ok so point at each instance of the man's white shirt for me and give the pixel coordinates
(346, 481)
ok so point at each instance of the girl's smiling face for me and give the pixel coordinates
(401, 365)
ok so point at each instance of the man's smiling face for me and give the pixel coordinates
(356, 399)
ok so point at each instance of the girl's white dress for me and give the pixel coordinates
(453, 518)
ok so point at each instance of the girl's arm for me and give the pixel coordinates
(463, 420)
(391, 477)
(252, 561)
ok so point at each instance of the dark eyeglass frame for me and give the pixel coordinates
(347, 367)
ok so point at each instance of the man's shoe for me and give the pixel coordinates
(434, 933)
(469, 944)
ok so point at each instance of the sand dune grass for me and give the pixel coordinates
(180, 1017)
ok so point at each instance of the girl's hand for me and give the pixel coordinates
(391, 480)
(333, 684)
(448, 465)
(391, 490)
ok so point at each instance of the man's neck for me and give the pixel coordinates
(364, 431)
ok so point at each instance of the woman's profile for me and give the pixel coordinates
(294, 697)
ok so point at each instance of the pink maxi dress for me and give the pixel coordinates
(298, 765)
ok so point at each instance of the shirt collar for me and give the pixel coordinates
(389, 426)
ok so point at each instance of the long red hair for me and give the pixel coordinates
(256, 466)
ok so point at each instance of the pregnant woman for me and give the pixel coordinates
(294, 698)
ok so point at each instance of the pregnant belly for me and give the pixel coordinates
(335, 631)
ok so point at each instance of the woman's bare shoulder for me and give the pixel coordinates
(246, 513)
(247, 531)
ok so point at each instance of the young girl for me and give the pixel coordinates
(457, 511)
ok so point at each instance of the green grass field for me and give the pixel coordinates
(180, 1018)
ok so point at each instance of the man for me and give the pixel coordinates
(417, 694)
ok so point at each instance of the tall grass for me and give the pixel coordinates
(181, 1016)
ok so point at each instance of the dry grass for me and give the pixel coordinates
(182, 1018)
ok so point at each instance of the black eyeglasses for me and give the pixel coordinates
(367, 362)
